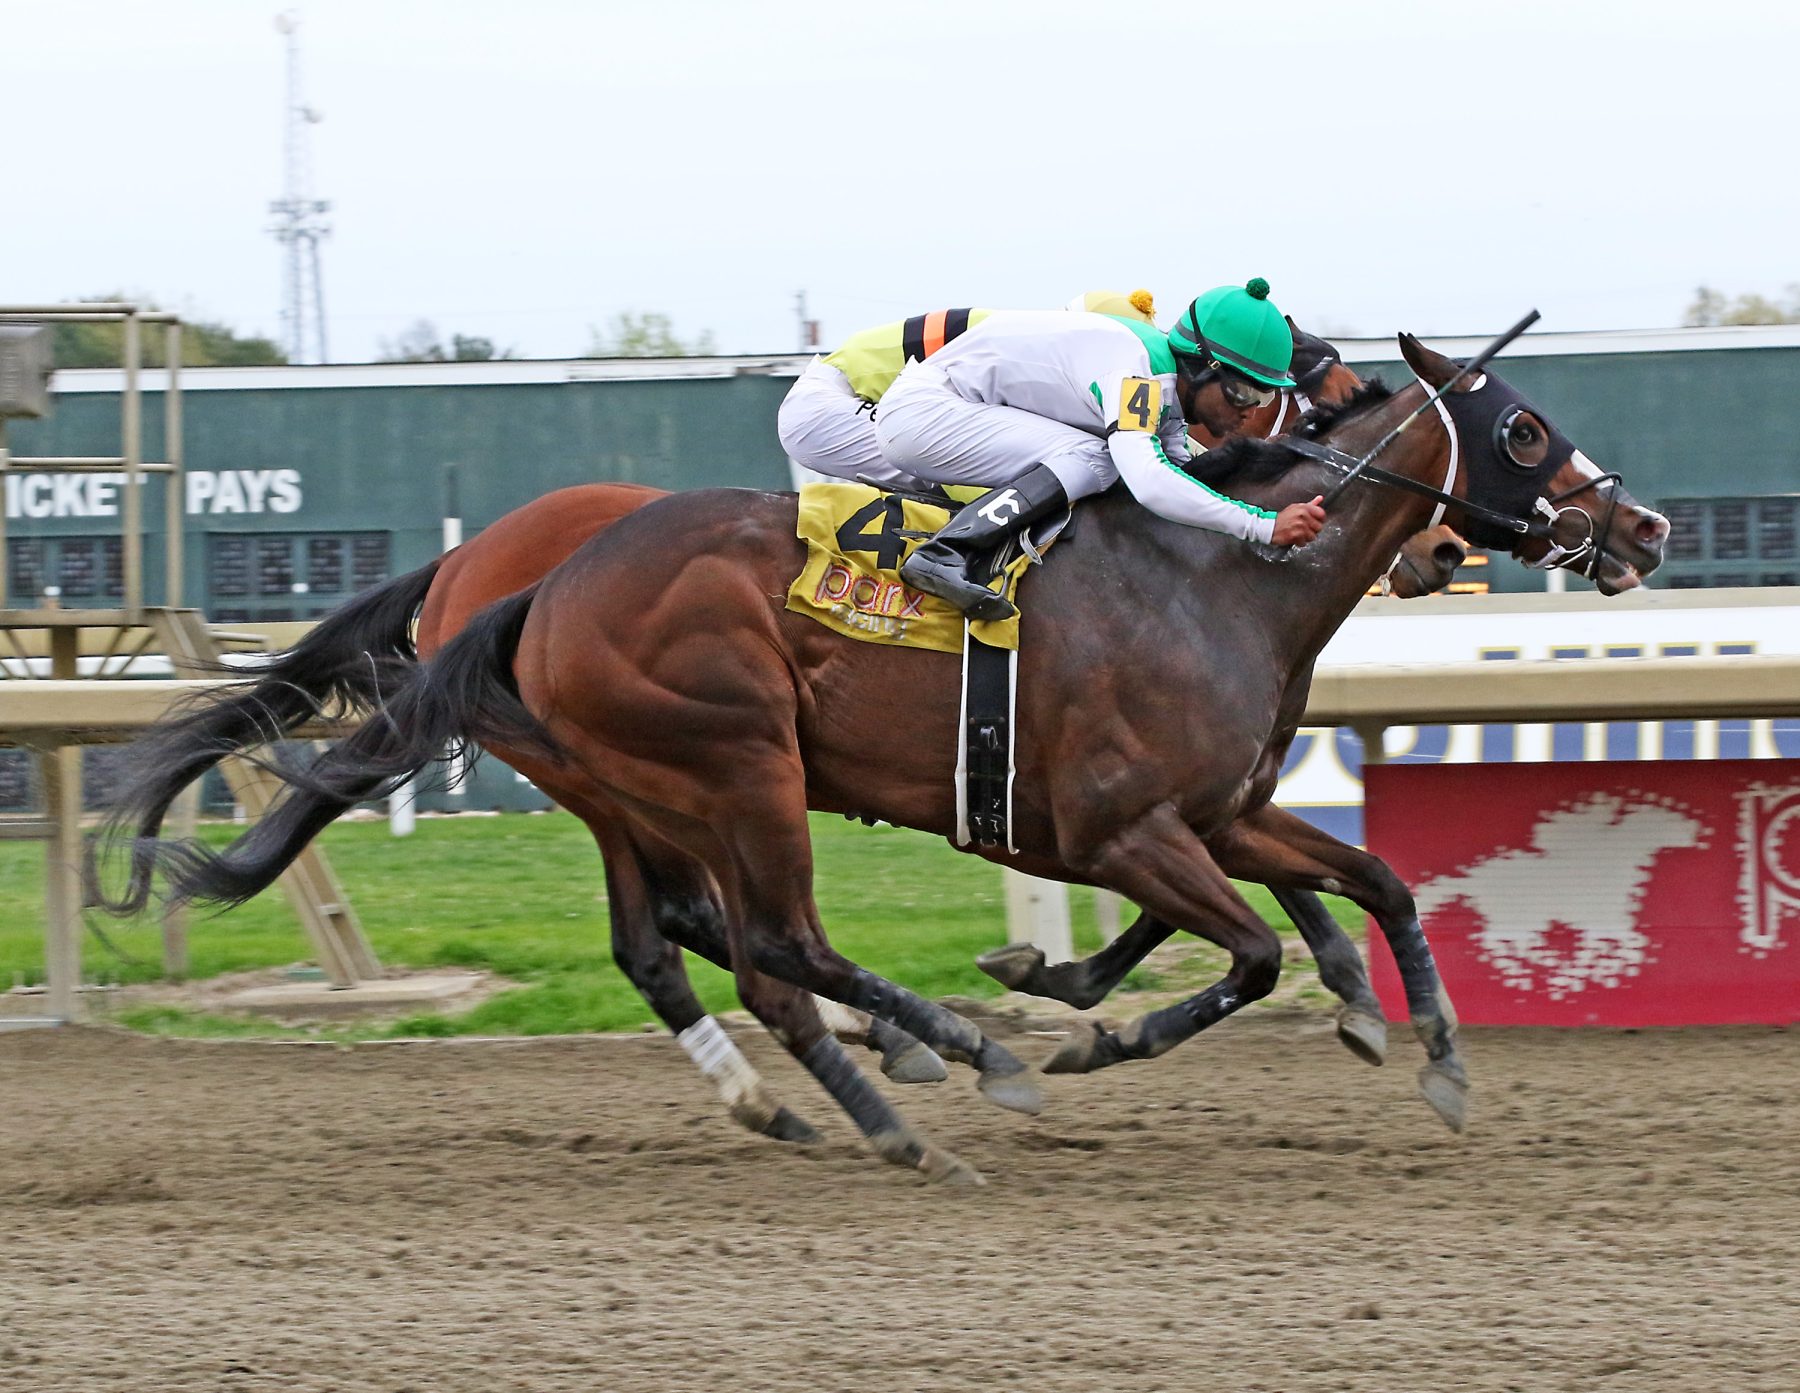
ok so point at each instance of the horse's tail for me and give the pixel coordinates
(429, 714)
(346, 661)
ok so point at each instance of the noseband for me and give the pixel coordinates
(1592, 550)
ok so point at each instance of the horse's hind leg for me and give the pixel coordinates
(760, 824)
(654, 966)
(792, 1017)
(903, 1059)
(693, 920)
(1159, 863)
(1275, 846)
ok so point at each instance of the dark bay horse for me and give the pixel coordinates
(521, 547)
(1165, 669)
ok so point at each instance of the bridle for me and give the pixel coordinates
(1585, 557)
(1538, 522)
(1592, 550)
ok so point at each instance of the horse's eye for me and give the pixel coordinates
(1524, 438)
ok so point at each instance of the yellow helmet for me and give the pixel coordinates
(1139, 305)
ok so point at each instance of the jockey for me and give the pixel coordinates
(1051, 408)
(827, 419)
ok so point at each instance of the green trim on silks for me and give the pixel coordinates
(1099, 400)
(1250, 508)
(1156, 344)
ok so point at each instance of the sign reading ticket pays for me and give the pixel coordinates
(1618, 893)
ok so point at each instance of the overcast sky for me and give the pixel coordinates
(524, 169)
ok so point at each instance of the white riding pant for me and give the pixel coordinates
(930, 431)
(826, 427)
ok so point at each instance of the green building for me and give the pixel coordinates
(305, 485)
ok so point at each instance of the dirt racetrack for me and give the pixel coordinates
(1255, 1211)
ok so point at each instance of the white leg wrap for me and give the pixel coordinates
(721, 1061)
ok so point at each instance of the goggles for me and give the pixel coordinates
(1241, 392)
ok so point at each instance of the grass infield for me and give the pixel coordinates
(522, 895)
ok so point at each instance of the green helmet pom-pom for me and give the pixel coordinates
(1258, 288)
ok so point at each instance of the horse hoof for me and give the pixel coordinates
(904, 1147)
(914, 1064)
(1012, 966)
(781, 1125)
(1018, 1091)
(1363, 1033)
(1080, 1051)
(943, 1168)
(1448, 1094)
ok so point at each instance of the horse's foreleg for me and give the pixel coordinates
(1083, 983)
(1159, 863)
(1360, 1023)
(1273, 845)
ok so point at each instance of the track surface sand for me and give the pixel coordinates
(1255, 1211)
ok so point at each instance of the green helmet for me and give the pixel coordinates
(1240, 328)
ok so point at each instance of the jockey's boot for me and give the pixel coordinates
(948, 565)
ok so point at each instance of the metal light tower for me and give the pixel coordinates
(299, 219)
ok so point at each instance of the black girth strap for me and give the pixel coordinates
(984, 790)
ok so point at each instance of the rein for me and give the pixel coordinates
(1539, 524)
(1354, 467)
(1474, 365)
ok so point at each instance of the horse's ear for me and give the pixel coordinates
(1433, 368)
(1312, 382)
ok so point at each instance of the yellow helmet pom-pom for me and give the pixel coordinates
(1137, 305)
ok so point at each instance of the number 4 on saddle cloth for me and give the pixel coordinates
(856, 539)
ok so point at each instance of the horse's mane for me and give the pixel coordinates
(1245, 461)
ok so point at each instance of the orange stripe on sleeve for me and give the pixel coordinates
(934, 331)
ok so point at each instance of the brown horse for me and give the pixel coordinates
(519, 549)
(527, 543)
(679, 695)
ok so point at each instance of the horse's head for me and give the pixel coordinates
(1318, 368)
(1426, 564)
(1514, 461)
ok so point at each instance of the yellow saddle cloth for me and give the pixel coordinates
(856, 539)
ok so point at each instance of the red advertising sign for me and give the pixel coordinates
(1622, 894)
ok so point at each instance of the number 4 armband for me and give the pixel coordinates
(1140, 404)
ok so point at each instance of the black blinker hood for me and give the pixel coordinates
(1494, 480)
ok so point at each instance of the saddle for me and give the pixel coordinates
(856, 536)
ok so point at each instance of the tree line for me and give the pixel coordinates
(207, 343)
